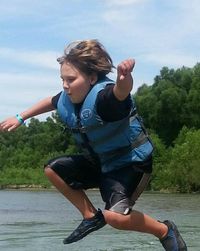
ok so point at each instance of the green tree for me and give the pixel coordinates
(190, 116)
(24, 152)
(171, 102)
(180, 172)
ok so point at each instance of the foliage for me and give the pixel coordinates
(185, 162)
(173, 101)
(170, 107)
(180, 172)
(24, 152)
(20, 176)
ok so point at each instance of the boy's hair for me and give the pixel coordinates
(89, 56)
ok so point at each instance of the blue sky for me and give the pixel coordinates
(34, 33)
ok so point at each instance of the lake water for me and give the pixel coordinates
(40, 220)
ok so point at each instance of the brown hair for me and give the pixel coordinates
(89, 56)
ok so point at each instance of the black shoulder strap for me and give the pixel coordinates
(83, 135)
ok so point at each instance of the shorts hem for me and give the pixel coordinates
(121, 207)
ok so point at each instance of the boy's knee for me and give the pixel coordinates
(48, 171)
(117, 220)
(112, 218)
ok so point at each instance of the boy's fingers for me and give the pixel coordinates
(12, 128)
(125, 67)
(121, 77)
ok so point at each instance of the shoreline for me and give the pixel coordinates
(32, 188)
(26, 187)
(52, 188)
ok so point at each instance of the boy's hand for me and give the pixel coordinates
(125, 68)
(124, 82)
(9, 124)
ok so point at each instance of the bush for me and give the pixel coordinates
(180, 172)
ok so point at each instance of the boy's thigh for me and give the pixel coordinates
(76, 170)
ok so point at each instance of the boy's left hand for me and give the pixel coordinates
(125, 68)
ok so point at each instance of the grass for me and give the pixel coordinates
(23, 177)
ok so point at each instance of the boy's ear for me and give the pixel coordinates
(93, 79)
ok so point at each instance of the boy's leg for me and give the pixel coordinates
(119, 197)
(120, 191)
(136, 221)
(166, 232)
(70, 175)
(77, 197)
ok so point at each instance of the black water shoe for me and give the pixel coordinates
(87, 226)
(173, 240)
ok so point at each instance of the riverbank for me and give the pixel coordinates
(33, 187)
(26, 187)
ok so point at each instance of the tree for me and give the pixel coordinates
(171, 102)
(24, 151)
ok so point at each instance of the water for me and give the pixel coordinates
(39, 220)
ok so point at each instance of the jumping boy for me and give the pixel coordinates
(117, 152)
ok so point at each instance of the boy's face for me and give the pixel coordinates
(75, 83)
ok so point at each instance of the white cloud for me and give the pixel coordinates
(20, 91)
(23, 8)
(20, 81)
(112, 3)
(164, 37)
(46, 59)
(171, 59)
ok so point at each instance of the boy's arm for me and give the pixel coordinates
(42, 106)
(124, 82)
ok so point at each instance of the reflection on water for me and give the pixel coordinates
(40, 220)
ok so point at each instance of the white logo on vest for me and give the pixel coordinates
(86, 114)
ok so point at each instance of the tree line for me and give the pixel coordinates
(170, 109)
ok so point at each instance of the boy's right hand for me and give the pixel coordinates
(125, 68)
(9, 124)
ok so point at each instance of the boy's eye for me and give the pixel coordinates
(70, 80)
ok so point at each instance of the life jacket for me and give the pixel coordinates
(116, 143)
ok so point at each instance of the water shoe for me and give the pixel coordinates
(87, 226)
(173, 240)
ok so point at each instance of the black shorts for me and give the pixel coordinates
(119, 188)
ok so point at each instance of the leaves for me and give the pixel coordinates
(29, 147)
(173, 101)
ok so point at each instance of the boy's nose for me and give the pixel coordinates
(65, 85)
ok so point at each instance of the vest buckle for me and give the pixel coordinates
(82, 129)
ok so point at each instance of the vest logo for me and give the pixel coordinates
(86, 114)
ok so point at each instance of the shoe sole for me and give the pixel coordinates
(81, 236)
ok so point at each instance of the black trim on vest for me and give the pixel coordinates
(86, 144)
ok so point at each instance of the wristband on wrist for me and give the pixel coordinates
(20, 119)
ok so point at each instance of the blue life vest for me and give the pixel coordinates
(116, 143)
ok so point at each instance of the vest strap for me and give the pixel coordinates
(85, 129)
(132, 116)
(140, 188)
(111, 135)
(115, 154)
(80, 129)
(140, 140)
